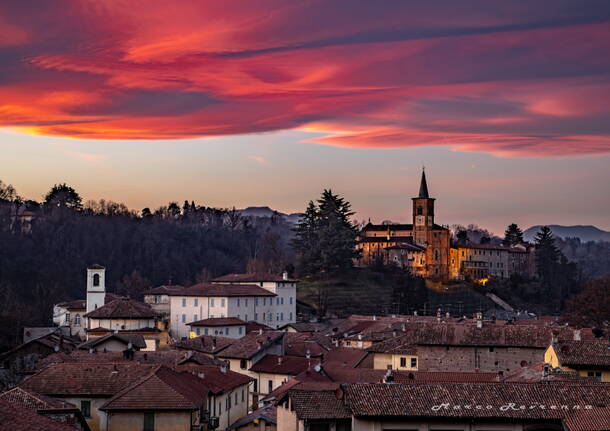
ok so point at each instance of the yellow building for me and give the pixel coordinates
(394, 354)
(589, 358)
(423, 246)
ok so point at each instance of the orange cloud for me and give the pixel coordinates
(532, 82)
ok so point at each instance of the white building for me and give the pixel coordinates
(96, 287)
(230, 327)
(285, 303)
(247, 302)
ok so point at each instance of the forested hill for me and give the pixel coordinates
(584, 233)
(44, 262)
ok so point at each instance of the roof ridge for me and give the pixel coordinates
(132, 386)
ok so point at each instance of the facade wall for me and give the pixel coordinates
(382, 361)
(236, 331)
(263, 380)
(427, 425)
(287, 419)
(121, 324)
(164, 421)
(97, 420)
(261, 426)
(485, 359)
(226, 412)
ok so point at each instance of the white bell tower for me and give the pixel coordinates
(96, 287)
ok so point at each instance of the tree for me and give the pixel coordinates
(512, 236)
(547, 255)
(62, 197)
(325, 236)
(133, 285)
(591, 307)
(8, 193)
(462, 236)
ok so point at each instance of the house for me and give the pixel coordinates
(445, 406)
(127, 316)
(115, 343)
(158, 299)
(248, 350)
(87, 385)
(207, 344)
(263, 419)
(59, 411)
(206, 301)
(480, 261)
(589, 358)
(228, 392)
(163, 400)
(273, 370)
(230, 327)
(284, 288)
(70, 314)
(305, 327)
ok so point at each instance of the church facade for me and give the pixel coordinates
(423, 246)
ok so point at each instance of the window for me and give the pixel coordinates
(222, 302)
(228, 402)
(413, 362)
(291, 300)
(291, 316)
(184, 302)
(241, 330)
(270, 317)
(198, 330)
(219, 408)
(282, 317)
(243, 364)
(235, 398)
(96, 279)
(389, 366)
(246, 318)
(243, 396)
(212, 302)
(195, 318)
(256, 301)
(196, 302)
(85, 408)
(264, 301)
(246, 302)
(420, 210)
(596, 374)
(255, 316)
(227, 331)
(149, 421)
(270, 384)
(255, 386)
(403, 362)
(205, 331)
(282, 301)
(238, 303)
(184, 318)
(77, 320)
(68, 318)
(277, 301)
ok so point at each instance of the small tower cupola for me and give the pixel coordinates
(96, 287)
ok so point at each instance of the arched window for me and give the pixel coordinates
(77, 320)
(420, 210)
(96, 279)
(436, 255)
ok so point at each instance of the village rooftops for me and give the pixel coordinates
(15, 417)
(266, 413)
(220, 290)
(289, 365)
(583, 353)
(93, 379)
(136, 340)
(253, 278)
(252, 343)
(318, 401)
(34, 401)
(123, 309)
(218, 321)
(205, 344)
(162, 290)
(219, 379)
(162, 389)
(306, 326)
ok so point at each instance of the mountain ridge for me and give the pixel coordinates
(584, 232)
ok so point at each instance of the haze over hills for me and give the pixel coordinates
(585, 233)
(265, 211)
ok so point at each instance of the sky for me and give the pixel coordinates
(249, 103)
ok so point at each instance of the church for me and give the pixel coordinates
(423, 247)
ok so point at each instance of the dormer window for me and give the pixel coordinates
(96, 279)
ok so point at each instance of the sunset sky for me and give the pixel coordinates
(240, 103)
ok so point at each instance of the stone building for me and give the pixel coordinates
(423, 246)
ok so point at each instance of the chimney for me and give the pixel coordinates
(260, 331)
(394, 334)
(374, 317)
(359, 337)
(308, 353)
(415, 312)
(223, 368)
(214, 343)
(479, 317)
(447, 315)
(388, 377)
(285, 275)
(577, 335)
(279, 360)
(259, 344)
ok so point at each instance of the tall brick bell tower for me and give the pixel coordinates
(423, 213)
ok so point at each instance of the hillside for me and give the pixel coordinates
(585, 233)
(265, 211)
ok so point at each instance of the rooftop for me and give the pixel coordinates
(205, 344)
(219, 290)
(289, 365)
(254, 277)
(218, 321)
(15, 417)
(252, 343)
(123, 308)
(583, 353)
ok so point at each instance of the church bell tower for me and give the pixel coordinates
(96, 287)
(423, 213)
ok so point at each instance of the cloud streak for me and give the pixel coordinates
(511, 79)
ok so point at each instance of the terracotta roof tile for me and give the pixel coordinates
(266, 413)
(207, 289)
(123, 308)
(589, 353)
(163, 389)
(205, 344)
(17, 418)
(218, 321)
(252, 277)
(34, 401)
(289, 365)
(343, 357)
(250, 344)
(217, 380)
(318, 401)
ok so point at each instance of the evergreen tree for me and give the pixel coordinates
(326, 237)
(62, 197)
(512, 236)
(547, 255)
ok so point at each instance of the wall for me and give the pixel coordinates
(234, 331)
(164, 421)
(427, 425)
(217, 405)
(486, 359)
(97, 421)
(382, 360)
(287, 420)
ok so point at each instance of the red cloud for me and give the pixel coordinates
(534, 84)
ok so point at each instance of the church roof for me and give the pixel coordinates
(423, 187)
(386, 227)
(123, 308)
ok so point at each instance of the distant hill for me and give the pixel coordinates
(268, 212)
(585, 233)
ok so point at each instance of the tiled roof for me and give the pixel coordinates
(402, 345)
(307, 326)
(135, 339)
(386, 227)
(250, 344)
(95, 379)
(582, 354)
(77, 304)
(407, 246)
(163, 389)
(100, 330)
(218, 321)
(95, 266)
(420, 400)
(17, 418)
(255, 326)
(207, 289)
(303, 344)
(367, 375)
(123, 309)
(319, 401)
(205, 344)
(162, 290)
(34, 401)
(398, 239)
(218, 379)
(252, 277)
(170, 358)
(289, 365)
(266, 413)
(343, 357)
